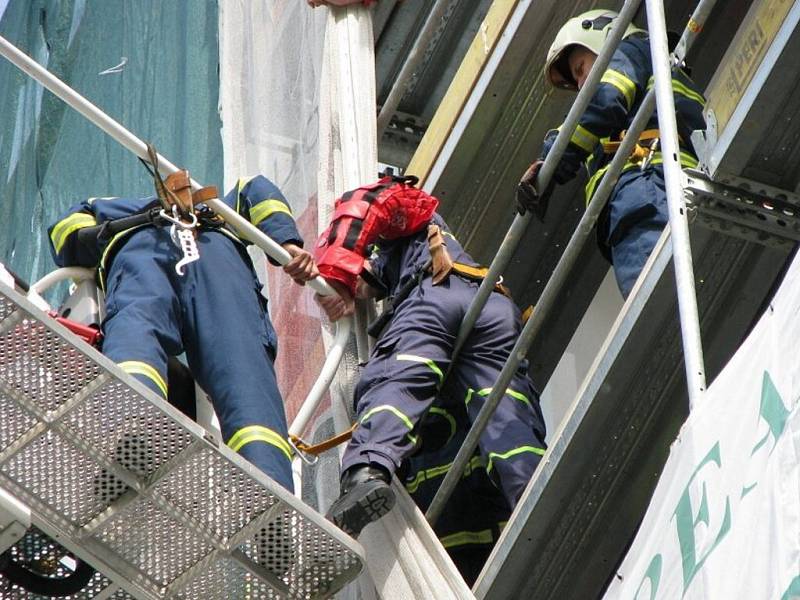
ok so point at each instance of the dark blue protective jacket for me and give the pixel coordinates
(256, 198)
(623, 87)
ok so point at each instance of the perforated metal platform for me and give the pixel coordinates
(135, 489)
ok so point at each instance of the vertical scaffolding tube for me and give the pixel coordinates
(681, 248)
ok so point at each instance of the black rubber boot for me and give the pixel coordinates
(366, 496)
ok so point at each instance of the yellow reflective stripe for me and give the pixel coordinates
(687, 162)
(69, 225)
(512, 453)
(267, 208)
(682, 89)
(583, 138)
(243, 181)
(440, 411)
(259, 433)
(387, 408)
(624, 84)
(450, 235)
(467, 537)
(486, 391)
(427, 361)
(475, 462)
(141, 368)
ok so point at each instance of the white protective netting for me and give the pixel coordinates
(297, 95)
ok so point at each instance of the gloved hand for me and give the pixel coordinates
(528, 198)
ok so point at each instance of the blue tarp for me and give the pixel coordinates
(166, 92)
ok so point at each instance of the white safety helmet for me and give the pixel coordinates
(589, 30)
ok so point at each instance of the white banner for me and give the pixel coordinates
(724, 521)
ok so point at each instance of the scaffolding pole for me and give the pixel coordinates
(679, 226)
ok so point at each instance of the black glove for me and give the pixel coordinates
(527, 196)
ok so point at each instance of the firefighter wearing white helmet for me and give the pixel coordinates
(636, 212)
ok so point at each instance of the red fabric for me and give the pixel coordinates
(387, 209)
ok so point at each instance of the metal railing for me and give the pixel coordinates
(660, 95)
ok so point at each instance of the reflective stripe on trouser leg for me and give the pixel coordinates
(147, 374)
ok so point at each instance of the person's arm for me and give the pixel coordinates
(69, 243)
(623, 83)
(260, 200)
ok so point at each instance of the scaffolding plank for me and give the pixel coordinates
(135, 489)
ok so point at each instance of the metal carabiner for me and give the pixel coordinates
(175, 218)
(303, 456)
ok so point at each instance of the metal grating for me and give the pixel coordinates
(37, 363)
(41, 553)
(224, 502)
(59, 475)
(228, 579)
(155, 543)
(138, 491)
(15, 421)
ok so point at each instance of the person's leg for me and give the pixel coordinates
(640, 203)
(632, 252)
(402, 378)
(141, 327)
(230, 347)
(396, 389)
(513, 441)
(476, 511)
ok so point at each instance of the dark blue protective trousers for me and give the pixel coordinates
(217, 316)
(405, 375)
(640, 200)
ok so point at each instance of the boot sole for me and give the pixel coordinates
(361, 506)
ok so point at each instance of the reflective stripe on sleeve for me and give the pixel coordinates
(624, 84)
(68, 226)
(584, 139)
(462, 538)
(266, 209)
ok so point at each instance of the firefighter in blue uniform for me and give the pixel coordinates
(403, 403)
(637, 210)
(214, 312)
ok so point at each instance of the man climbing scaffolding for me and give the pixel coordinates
(178, 280)
(637, 210)
(405, 386)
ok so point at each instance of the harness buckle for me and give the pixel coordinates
(649, 158)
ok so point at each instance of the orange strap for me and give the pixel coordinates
(325, 445)
(479, 274)
(647, 135)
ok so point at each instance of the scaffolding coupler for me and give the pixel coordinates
(743, 208)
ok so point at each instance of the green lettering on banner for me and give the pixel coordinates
(793, 591)
(772, 411)
(653, 575)
(687, 522)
